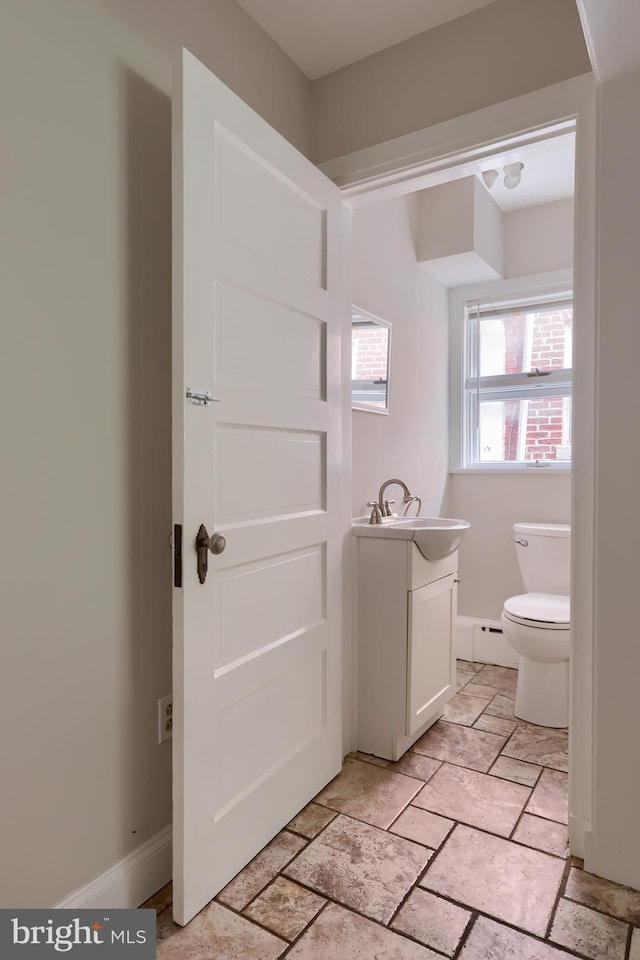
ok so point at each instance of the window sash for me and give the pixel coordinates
(507, 309)
(473, 401)
(503, 387)
(522, 382)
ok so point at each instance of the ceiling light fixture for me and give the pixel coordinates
(513, 175)
(489, 177)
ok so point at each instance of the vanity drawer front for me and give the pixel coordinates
(422, 571)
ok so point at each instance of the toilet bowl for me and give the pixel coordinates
(537, 624)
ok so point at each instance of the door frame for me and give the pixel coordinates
(458, 148)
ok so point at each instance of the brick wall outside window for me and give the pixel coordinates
(369, 346)
(545, 429)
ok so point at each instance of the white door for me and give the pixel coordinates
(258, 318)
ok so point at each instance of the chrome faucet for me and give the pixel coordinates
(382, 508)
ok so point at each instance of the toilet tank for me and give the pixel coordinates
(545, 561)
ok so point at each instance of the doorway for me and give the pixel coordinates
(463, 147)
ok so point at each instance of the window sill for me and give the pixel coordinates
(522, 471)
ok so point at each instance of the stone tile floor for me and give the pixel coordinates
(458, 850)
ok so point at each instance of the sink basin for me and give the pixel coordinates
(435, 537)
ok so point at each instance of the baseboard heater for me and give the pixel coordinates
(482, 640)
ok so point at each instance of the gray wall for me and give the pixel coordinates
(86, 414)
(503, 50)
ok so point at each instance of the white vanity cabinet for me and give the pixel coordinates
(406, 660)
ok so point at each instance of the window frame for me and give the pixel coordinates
(549, 287)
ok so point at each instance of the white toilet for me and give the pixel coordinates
(537, 624)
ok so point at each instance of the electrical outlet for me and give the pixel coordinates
(165, 718)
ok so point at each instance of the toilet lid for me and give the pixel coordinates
(541, 607)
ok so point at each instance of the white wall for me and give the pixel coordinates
(488, 567)
(410, 443)
(85, 404)
(492, 503)
(488, 229)
(505, 49)
(538, 239)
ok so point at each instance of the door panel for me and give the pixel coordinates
(242, 317)
(291, 477)
(247, 751)
(247, 188)
(244, 629)
(259, 315)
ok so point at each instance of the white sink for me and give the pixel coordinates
(435, 537)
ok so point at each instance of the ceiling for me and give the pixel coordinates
(323, 36)
(547, 175)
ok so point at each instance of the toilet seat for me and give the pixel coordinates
(544, 611)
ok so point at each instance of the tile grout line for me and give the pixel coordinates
(269, 882)
(465, 934)
(293, 942)
(561, 888)
(600, 911)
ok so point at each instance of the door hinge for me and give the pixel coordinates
(177, 555)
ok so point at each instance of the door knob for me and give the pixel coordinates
(204, 544)
(217, 543)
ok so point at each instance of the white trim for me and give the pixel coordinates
(349, 601)
(464, 638)
(559, 467)
(129, 882)
(584, 479)
(534, 286)
(457, 147)
(580, 837)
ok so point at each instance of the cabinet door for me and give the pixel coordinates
(431, 675)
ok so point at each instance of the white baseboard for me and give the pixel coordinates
(129, 882)
(464, 638)
(483, 645)
(580, 837)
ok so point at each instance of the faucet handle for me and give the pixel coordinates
(376, 515)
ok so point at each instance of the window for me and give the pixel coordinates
(517, 382)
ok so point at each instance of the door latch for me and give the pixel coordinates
(204, 544)
(176, 540)
(200, 398)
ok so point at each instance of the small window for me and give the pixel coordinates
(517, 384)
